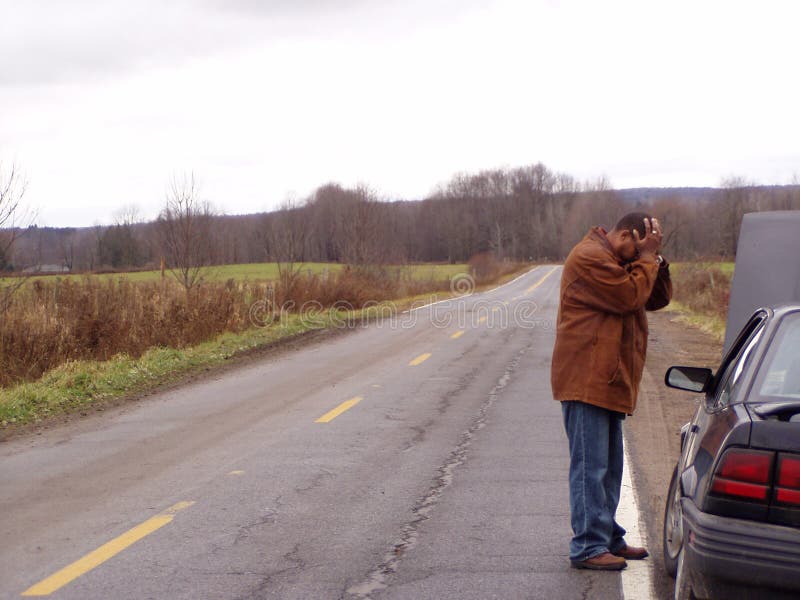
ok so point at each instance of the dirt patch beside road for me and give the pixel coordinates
(653, 432)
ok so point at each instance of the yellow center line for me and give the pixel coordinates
(457, 334)
(97, 557)
(237, 472)
(332, 414)
(420, 359)
(482, 319)
(541, 281)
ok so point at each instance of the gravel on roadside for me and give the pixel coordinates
(653, 432)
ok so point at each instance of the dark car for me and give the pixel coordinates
(732, 520)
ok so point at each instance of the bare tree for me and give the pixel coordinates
(128, 215)
(732, 204)
(284, 234)
(360, 236)
(119, 245)
(185, 231)
(67, 247)
(13, 218)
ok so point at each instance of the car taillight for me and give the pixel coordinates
(743, 474)
(787, 489)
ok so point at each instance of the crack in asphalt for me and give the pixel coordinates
(316, 481)
(268, 517)
(419, 435)
(463, 383)
(378, 579)
(293, 556)
(260, 591)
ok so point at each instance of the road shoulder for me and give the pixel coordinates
(653, 432)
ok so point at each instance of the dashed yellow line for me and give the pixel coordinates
(97, 557)
(332, 414)
(420, 359)
(457, 334)
(482, 319)
(541, 281)
(237, 472)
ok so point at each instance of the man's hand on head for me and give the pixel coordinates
(650, 245)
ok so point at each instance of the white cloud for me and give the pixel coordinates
(102, 101)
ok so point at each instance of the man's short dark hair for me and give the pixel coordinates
(631, 221)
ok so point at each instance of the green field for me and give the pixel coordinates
(269, 271)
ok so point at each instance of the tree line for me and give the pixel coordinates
(525, 213)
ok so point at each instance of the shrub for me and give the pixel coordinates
(50, 322)
(485, 267)
(702, 287)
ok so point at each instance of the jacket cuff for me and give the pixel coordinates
(647, 261)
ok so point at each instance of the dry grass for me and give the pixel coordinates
(701, 291)
(51, 322)
(54, 321)
(487, 268)
(703, 288)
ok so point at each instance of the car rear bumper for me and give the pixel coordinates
(745, 555)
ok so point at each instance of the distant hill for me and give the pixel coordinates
(650, 194)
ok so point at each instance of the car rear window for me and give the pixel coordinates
(779, 375)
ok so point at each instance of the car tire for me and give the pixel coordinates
(673, 526)
(683, 589)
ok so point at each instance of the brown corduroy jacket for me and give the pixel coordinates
(601, 334)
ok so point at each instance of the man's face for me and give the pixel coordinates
(626, 246)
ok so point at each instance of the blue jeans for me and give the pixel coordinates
(595, 478)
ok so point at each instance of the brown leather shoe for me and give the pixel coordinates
(601, 562)
(632, 553)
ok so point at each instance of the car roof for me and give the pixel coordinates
(767, 269)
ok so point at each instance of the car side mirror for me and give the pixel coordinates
(691, 379)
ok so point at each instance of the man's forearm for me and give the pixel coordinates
(662, 290)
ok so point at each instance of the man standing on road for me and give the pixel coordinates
(609, 280)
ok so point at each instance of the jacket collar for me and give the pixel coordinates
(599, 234)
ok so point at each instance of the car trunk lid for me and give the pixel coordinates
(776, 426)
(767, 271)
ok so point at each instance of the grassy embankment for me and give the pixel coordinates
(701, 291)
(71, 343)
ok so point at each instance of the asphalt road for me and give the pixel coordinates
(444, 476)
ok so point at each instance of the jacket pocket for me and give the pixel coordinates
(605, 363)
(615, 377)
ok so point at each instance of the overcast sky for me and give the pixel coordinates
(102, 101)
